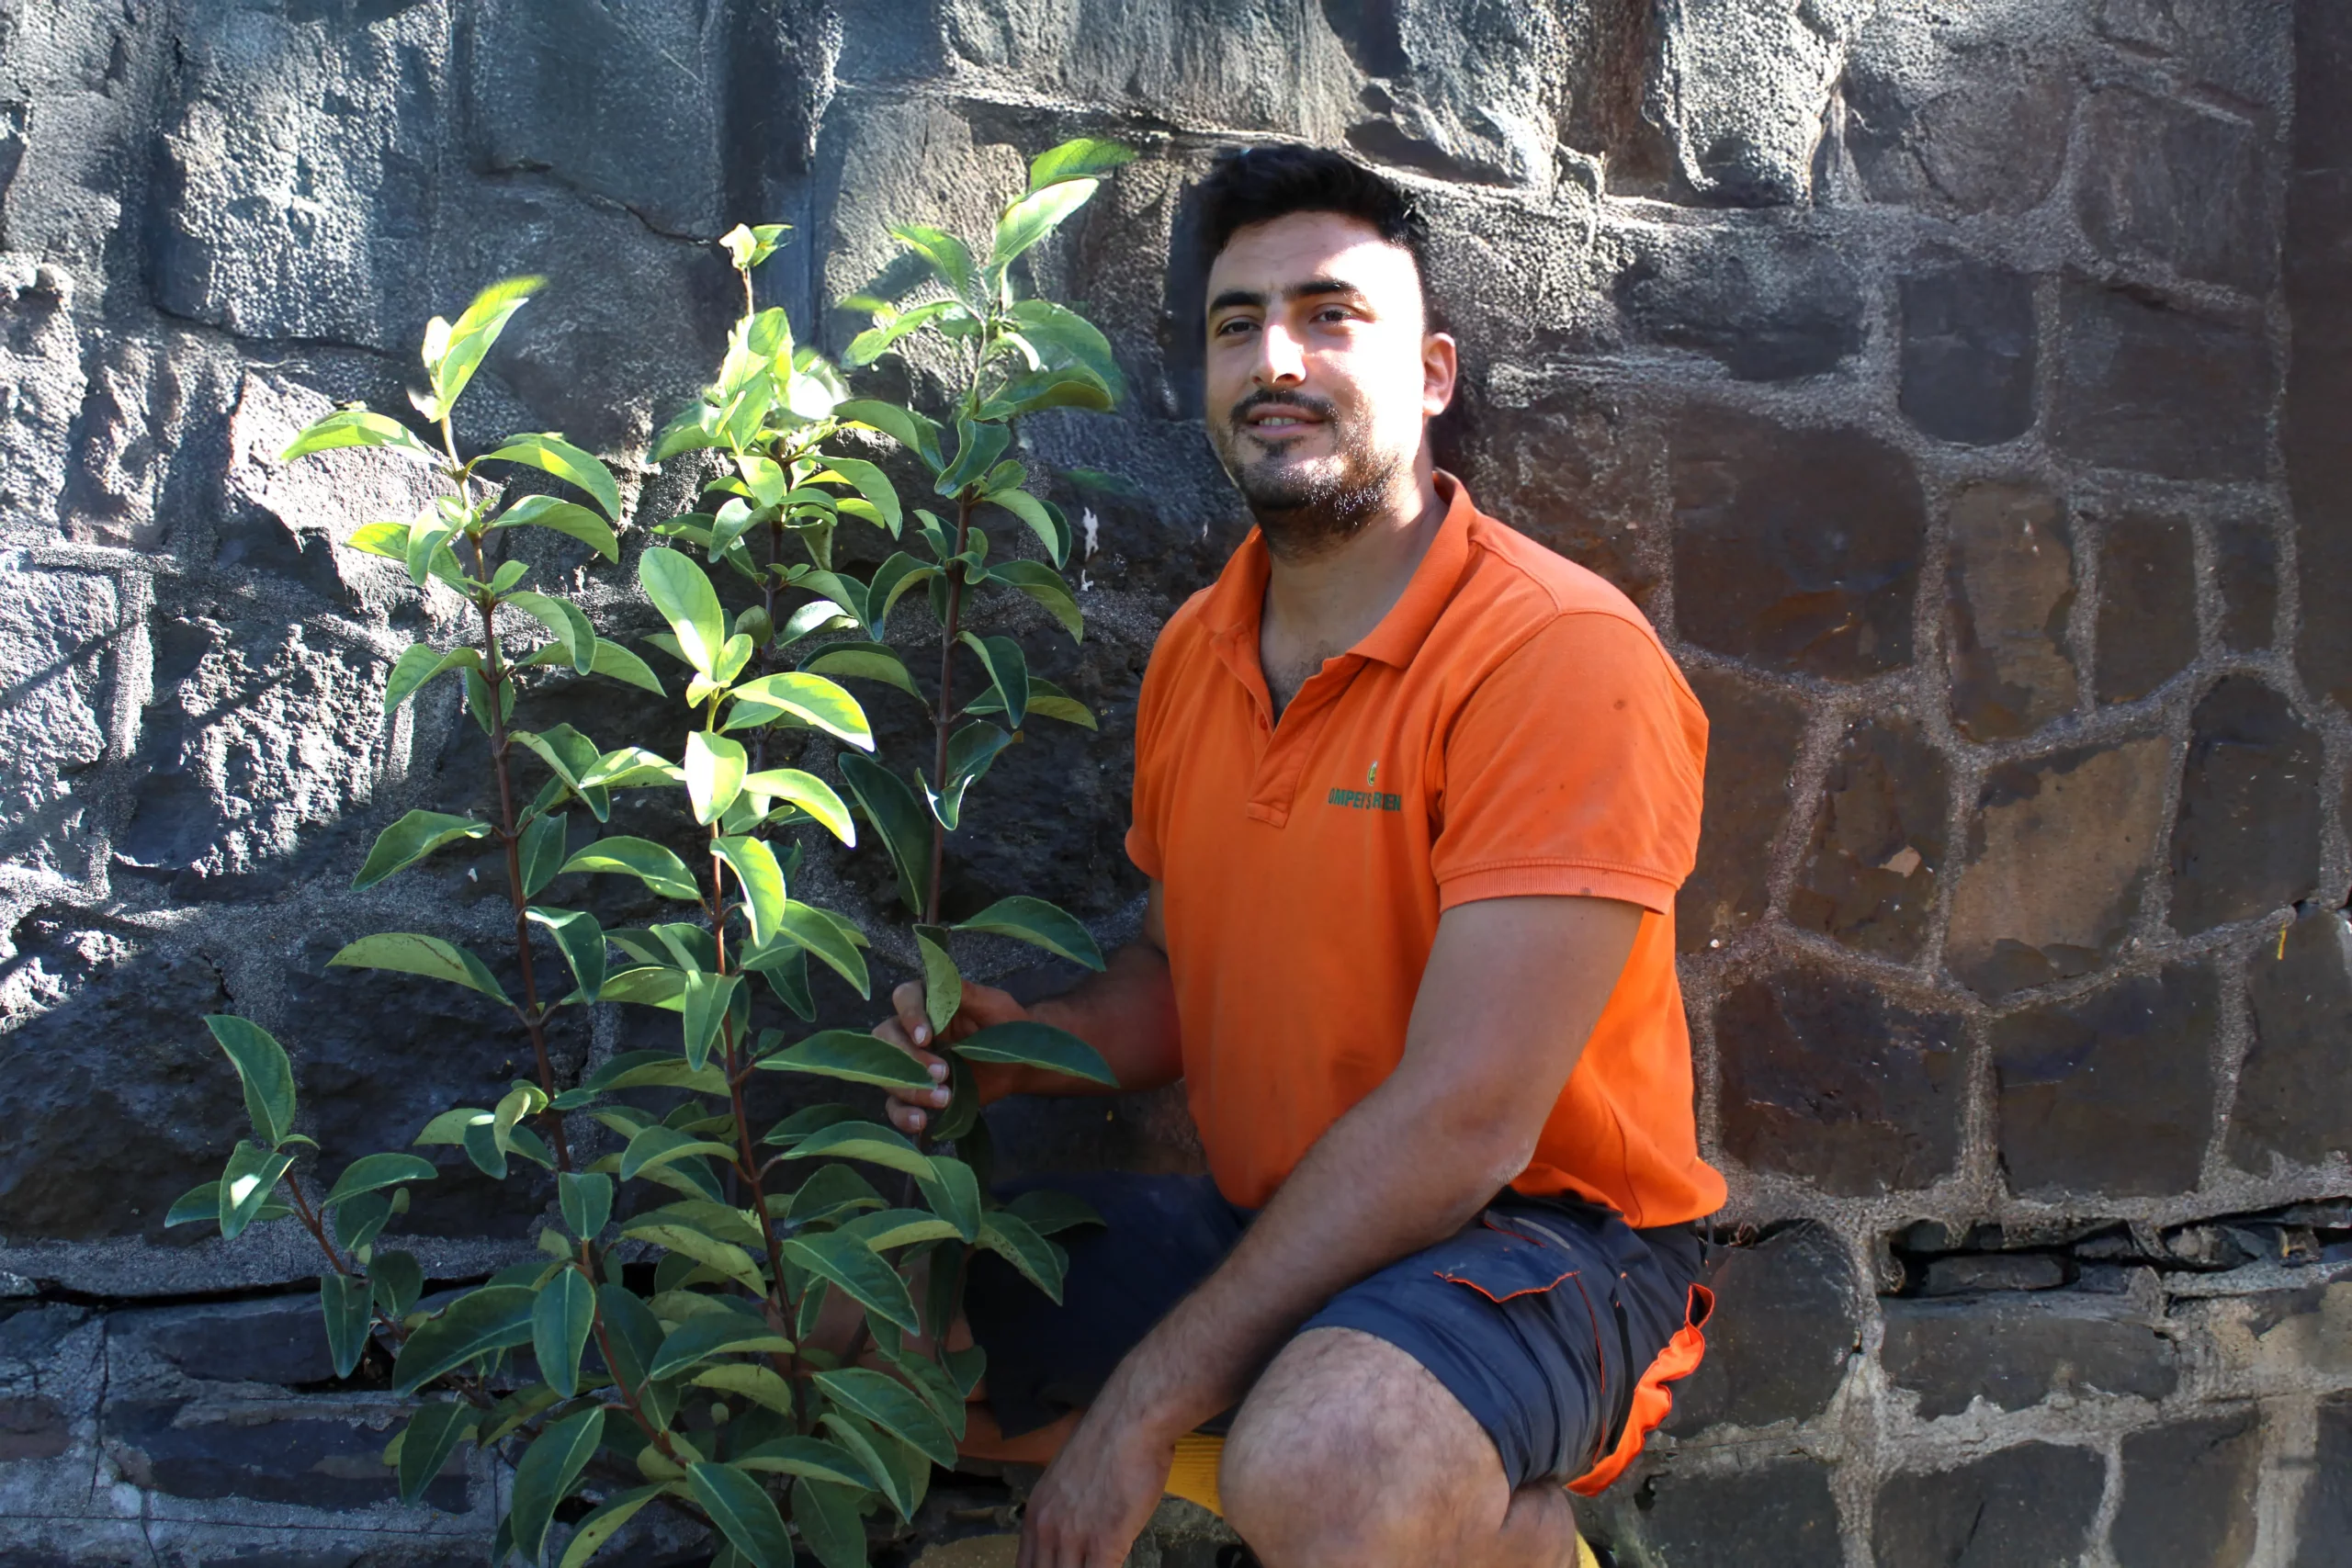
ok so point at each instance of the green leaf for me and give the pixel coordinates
(715, 768)
(626, 767)
(1045, 701)
(901, 820)
(749, 246)
(634, 1332)
(853, 1057)
(1044, 519)
(761, 1385)
(407, 952)
(419, 664)
(877, 340)
(659, 1146)
(1067, 341)
(1040, 924)
(547, 1471)
(589, 1536)
(818, 932)
(369, 1172)
(357, 427)
(566, 517)
(651, 864)
(564, 619)
(560, 1320)
(806, 791)
(814, 700)
(864, 661)
(978, 447)
(413, 837)
(199, 1203)
(1082, 158)
(889, 583)
(859, 1272)
(954, 1194)
(1008, 672)
(1039, 1261)
(685, 597)
(1039, 214)
(699, 1338)
(743, 1512)
(1045, 1211)
(707, 998)
(1032, 1045)
(901, 1473)
(829, 1522)
(348, 1301)
(892, 1406)
(618, 664)
(540, 854)
(755, 868)
(917, 432)
(810, 1457)
(569, 754)
(587, 1200)
(494, 1317)
(942, 983)
(867, 1141)
(899, 1227)
(266, 1074)
(1044, 584)
(581, 942)
(948, 256)
(1035, 391)
(430, 1435)
(460, 353)
(551, 453)
(869, 482)
(657, 986)
(247, 1183)
(398, 1281)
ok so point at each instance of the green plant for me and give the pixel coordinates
(669, 1326)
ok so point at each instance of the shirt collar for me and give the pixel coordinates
(1238, 599)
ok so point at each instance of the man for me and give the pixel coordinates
(1414, 796)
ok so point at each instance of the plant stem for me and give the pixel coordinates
(736, 1070)
(945, 719)
(310, 1222)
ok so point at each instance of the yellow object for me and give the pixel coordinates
(1192, 1477)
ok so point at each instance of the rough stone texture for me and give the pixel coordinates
(2189, 1492)
(2028, 1506)
(2060, 854)
(1825, 1080)
(1879, 845)
(2014, 1349)
(2248, 831)
(2110, 1094)
(1957, 383)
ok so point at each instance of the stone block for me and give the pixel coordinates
(32, 1428)
(2013, 1349)
(2247, 837)
(2188, 1495)
(2180, 187)
(1785, 1327)
(2059, 857)
(1954, 124)
(2318, 267)
(2147, 605)
(2324, 1522)
(41, 388)
(1782, 1514)
(1573, 471)
(1968, 355)
(1740, 88)
(1796, 551)
(2247, 553)
(153, 439)
(2005, 627)
(2289, 1101)
(1970, 1273)
(275, 1339)
(267, 1453)
(2157, 388)
(1765, 312)
(1753, 733)
(298, 192)
(2111, 1093)
(2027, 1507)
(1878, 845)
(1825, 1080)
(59, 636)
(118, 1101)
(2245, 50)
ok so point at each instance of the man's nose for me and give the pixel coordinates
(1282, 360)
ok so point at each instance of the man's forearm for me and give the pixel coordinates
(1400, 1172)
(1127, 1013)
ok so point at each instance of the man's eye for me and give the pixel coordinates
(1238, 323)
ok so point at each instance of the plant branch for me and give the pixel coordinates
(945, 719)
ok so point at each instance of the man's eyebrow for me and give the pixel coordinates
(1248, 299)
(1237, 299)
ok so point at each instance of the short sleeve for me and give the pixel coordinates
(1146, 821)
(1576, 768)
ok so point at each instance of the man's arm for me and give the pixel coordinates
(1127, 1013)
(1512, 989)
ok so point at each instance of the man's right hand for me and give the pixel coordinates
(982, 1006)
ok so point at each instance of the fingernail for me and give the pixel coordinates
(939, 1072)
(923, 1035)
(915, 1120)
(940, 1096)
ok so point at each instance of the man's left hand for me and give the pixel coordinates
(1096, 1496)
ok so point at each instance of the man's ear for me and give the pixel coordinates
(1441, 364)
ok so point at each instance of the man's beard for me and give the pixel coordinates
(1305, 513)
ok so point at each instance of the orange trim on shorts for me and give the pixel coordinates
(1652, 1400)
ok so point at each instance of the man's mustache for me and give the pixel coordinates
(1264, 397)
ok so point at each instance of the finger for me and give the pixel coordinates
(936, 1065)
(907, 1119)
(913, 1017)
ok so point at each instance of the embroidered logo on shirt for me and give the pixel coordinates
(1366, 799)
(1371, 774)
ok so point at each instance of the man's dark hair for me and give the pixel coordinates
(1257, 184)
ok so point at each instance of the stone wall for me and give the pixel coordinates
(1957, 385)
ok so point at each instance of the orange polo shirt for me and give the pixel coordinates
(1512, 727)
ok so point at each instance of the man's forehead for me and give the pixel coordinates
(1306, 252)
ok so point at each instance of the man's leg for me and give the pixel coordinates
(1349, 1454)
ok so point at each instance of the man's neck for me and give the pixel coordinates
(1320, 606)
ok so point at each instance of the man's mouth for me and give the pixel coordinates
(1278, 421)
